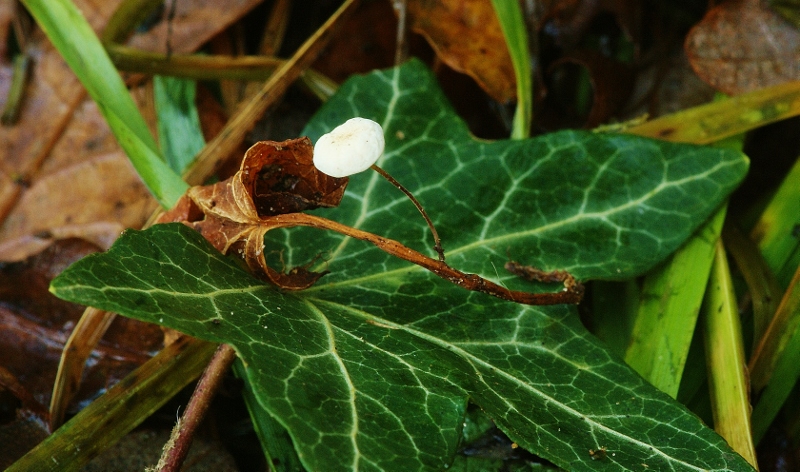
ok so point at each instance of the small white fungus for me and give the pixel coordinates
(350, 148)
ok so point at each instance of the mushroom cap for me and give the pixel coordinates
(350, 148)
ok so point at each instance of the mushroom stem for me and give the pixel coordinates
(437, 242)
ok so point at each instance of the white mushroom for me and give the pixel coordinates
(350, 148)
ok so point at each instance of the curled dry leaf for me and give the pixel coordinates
(467, 36)
(274, 179)
(276, 182)
(743, 45)
(54, 156)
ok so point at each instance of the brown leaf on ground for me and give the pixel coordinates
(35, 326)
(60, 166)
(194, 23)
(100, 194)
(742, 45)
(234, 215)
(467, 36)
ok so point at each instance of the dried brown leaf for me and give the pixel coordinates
(61, 147)
(102, 189)
(467, 36)
(742, 45)
(234, 215)
(194, 23)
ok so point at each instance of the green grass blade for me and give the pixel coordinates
(670, 302)
(16, 91)
(513, 25)
(774, 231)
(718, 120)
(179, 129)
(728, 385)
(71, 34)
(160, 179)
(787, 365)
(761, 282)
(118, 411)
(786, 273)
(776, 342)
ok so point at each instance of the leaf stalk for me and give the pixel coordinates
(572, 293)
(437, 242)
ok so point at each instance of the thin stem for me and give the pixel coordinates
(572, 293)
(438, 242)
(177, 448)
(401, 47)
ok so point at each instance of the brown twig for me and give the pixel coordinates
(177, 447)
(437, 242)
(534, 274)
(572, 293)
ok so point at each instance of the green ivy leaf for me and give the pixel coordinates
(372, 368)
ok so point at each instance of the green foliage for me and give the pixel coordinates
(775, 231)
(373, 367)
(512, 22)
(179, 131)
(727, 371)
(670, 302)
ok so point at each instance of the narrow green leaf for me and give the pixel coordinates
(670, 302)
(775, 394)
(373, 367)
(783, 327)
(727, 372)
(71, 34)
(762, 286)
(776, 230)
(718, 120)
(160, 179)
(792, 263)
(179, 131)
(775, 365)
(516, 34)
(16, 90)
